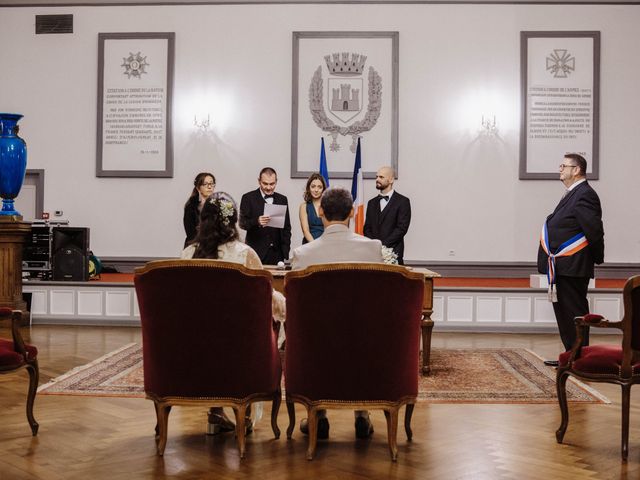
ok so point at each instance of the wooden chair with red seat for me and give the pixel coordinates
(15, 355)
(618, 364)
(353, 342)
(208, 339)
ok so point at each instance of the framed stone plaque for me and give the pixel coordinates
(135, 88)
(560, 101)
(345, 87)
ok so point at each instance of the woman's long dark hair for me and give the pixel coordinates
(218, 220)
(307, 190)
(197, 182)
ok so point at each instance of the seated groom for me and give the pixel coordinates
(337, 244)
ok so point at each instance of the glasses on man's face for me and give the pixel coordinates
(563, 166)
(209, 184)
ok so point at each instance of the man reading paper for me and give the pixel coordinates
(271, 244)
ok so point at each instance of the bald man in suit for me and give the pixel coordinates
(389, 214)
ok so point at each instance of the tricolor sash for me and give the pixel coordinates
(568, 248)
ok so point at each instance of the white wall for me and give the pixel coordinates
(455, 62)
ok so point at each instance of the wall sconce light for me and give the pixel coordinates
(202, 125)
(489, 127)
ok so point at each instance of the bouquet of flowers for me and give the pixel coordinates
(389, 256)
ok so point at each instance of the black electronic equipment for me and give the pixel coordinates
(70, 253)
(36, 255)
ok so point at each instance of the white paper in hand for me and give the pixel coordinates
(277, 214)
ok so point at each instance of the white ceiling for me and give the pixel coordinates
(62, 3)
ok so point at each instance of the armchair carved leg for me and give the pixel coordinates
(561, 383)
(392, 431)
(626, 393)
(34, 375)
(291, 410)
(312, 418)
(162, 416)
(408, 412)
(275, 408)
(157, 428)
(427, 330)
(240, 413)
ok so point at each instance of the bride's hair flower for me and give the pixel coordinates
(226, 207)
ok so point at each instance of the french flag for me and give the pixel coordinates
(324, 171)
(357, 190)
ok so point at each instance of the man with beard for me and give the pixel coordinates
(388, 215)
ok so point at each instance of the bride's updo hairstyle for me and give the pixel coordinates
(218, 220)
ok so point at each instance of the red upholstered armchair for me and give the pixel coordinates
(207, 339)
(605, 363)
(353, 341)
(15, 355)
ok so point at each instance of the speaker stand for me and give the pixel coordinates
(13, 234)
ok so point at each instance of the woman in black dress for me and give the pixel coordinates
(203, 186)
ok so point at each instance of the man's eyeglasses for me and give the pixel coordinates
(208, 184)
(563, 166)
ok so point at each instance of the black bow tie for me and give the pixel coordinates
(268, 196)
(383, 197)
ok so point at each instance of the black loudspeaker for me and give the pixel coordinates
(70, 253)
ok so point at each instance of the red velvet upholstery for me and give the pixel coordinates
(10, 358)
(599, 360)
(618, 364)
(353, 333)
(15, 355)
(207, 330)
(634, 301)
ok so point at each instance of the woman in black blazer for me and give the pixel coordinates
(203, 186)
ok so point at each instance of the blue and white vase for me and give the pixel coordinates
(13, 161)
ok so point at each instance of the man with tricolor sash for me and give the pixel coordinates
(571, 242)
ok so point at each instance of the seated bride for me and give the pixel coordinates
(218, 238)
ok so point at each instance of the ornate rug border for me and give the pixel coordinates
(598, 398)
(578, 383)
(44, 388)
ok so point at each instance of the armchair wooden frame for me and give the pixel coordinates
(390, 408)
(240, 406)
(391, 413)
(31, 364)
(625, 377)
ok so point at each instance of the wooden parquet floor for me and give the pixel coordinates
(112, 438)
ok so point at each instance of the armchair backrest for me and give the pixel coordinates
(353, 331)
(206, 329)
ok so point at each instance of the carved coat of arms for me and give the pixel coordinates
(335, 109)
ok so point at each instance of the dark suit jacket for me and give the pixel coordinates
(391, 225)
(579, 211)
(261, 238)
(191, 219)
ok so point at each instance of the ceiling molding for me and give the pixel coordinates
(131, 3)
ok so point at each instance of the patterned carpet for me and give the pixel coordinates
(499, 375)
